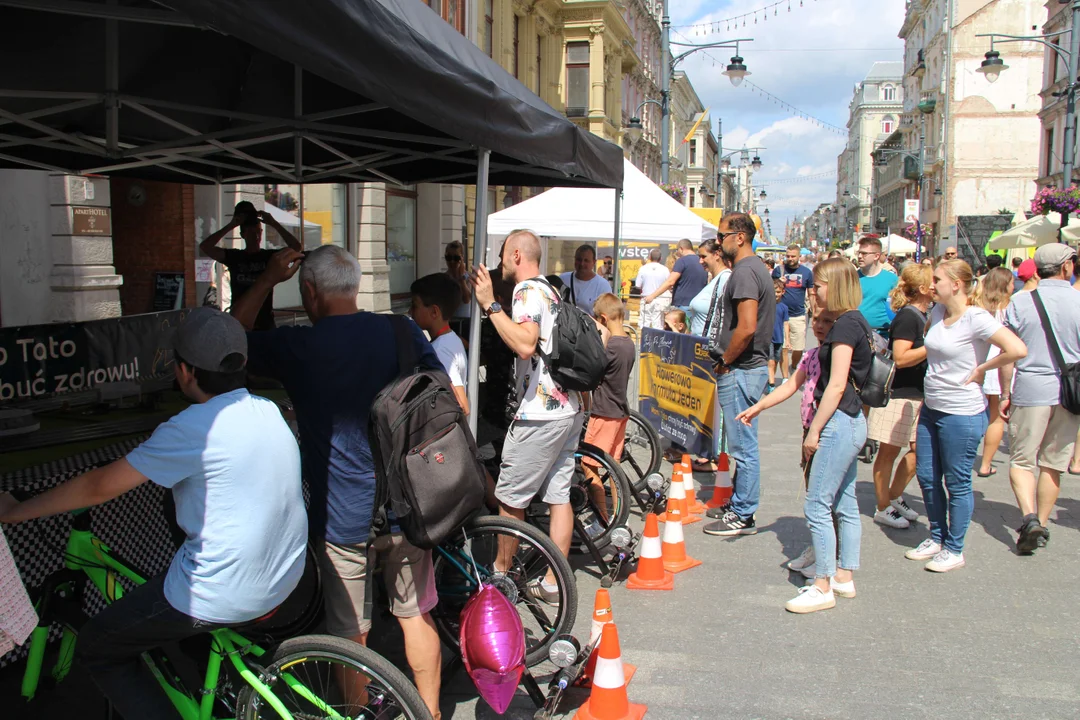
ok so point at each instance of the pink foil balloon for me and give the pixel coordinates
(493, 646)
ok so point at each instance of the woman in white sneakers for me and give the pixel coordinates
(953, 417)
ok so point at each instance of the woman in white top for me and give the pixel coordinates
(993, 296)
(953, 416)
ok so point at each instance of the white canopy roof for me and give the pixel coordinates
(898, 245)
(587, 215)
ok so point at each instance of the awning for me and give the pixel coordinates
(275, 91)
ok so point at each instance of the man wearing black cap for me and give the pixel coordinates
(239, 560)
(245, 266)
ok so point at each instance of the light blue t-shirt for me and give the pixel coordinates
(234, 469)
(875, 298)
(699, 306)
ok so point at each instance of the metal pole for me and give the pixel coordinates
(615, 245)
(1068, 153)
(922, 178)
(665, 94)
(480, 241)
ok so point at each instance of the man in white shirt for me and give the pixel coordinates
(649, 279)
(584, 284)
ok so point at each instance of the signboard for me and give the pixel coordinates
(168, 291)
(975, 231)
(678, 389)
(41, 360)
(91, 221)
(204, 270)
(911, 211)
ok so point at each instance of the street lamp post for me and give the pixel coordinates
(744, 160)
(993, 65)
(920, 158)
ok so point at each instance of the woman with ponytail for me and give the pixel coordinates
(993, 295)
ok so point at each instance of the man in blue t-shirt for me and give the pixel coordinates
(686, 280)
(798, 279)
(877, 283)
(332, 371)
(239, 559)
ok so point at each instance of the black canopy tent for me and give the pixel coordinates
(204, 91)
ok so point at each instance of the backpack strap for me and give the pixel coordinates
(1048, 330)
(573, 295)
(406, 348)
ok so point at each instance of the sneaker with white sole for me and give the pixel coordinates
(901, 506)
(890, 517)
(806, 559)
(810, 599)
(540, 590)
(945, 561)
(926, 550)
(844, 590)
(731, 524)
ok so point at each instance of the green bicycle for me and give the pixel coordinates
(300, 678)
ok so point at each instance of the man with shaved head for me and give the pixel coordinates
(538, 456)
(650, 277)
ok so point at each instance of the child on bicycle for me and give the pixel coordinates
(610, 407)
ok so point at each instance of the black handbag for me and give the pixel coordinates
(876, 389)
(1070, 374)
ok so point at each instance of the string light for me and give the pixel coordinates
(716, 26)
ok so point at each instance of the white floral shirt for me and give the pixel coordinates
(539, 397)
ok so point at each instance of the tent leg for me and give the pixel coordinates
(480, 241)
(615, 245)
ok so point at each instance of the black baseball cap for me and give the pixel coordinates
(248, 210)
(209, 339)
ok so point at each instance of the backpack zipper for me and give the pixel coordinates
(419, 449)
(428, 396)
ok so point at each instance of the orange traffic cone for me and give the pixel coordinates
(674, 547)
(693, 505)
(602, 615)
(608, 699)
(678, 494)
(650, 573)
(722, 489)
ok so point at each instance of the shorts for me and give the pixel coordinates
(407, 571)
(1042, 437)
(797, 333)
(896, 423)
(538, 461)
(608, 434)
(776, 351)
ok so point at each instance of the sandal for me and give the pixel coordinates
(672, 456)
(703, 466)
(993, 471)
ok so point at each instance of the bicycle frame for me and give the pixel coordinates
(87, 554)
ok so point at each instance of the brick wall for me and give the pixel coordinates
(156, 236)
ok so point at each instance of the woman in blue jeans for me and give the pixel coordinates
(953, 417)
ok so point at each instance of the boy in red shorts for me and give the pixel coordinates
(610, 408)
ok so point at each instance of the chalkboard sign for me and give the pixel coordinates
(974, 231)
(168, 291)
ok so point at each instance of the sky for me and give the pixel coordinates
(810, 57)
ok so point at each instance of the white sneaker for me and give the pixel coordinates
(810, 599)
(890, 517)
(945, 561)
(844, 590)
(806, 559)
(901, 506)
(926, 550)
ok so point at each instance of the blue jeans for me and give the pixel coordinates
(736, 391)
(832, 491)
(945, 449)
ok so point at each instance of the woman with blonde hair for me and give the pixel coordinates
(834, 439)
(953, 417)
(894, 425)
(993, 295)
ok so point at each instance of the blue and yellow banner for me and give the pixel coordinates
(678, 389)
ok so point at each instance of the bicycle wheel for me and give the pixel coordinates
(642, 453)
(536, 556)
(319, 676)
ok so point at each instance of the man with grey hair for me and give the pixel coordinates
(332, 371)
(1042, 433)
(650, 277)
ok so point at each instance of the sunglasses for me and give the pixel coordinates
(453, 258)
(721, 235)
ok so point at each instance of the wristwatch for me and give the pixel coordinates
(493, 308)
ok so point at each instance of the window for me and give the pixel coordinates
(401, 240)
(577, 79)
(888, 93)
(517, 55)
(539, 65)
(1055, 61)
(888, 124)
(693, 153)
(451, 11)
(489, 26)
(1048, 158)
(692, 198)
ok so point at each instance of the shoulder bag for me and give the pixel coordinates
(1069, 374)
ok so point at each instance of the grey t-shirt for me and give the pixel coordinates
(750, 280)
(1037, 382)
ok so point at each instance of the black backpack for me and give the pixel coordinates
(427, 469)
(577, 360)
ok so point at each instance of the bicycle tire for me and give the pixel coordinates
(447, 612)
(651, 438)
(293, 653)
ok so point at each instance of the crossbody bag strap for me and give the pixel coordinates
(1055, 349)
(573, 295)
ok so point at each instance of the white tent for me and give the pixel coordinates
(898, 245)
(1039, 230)
(586, 215)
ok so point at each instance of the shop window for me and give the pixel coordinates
(401, 240)
(577, 79)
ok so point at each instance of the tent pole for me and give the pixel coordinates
(615, 245)
(480, 241)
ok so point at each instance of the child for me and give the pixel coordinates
(806, 376)
(675, 321)
(780, 334)
(610, 408)
(435, 298)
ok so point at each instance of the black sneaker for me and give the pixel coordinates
(732, 524)
(718, 513)
(1044, 537)
(1030, 533)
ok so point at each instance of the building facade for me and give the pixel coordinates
(1052, 113)
(641, 86)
